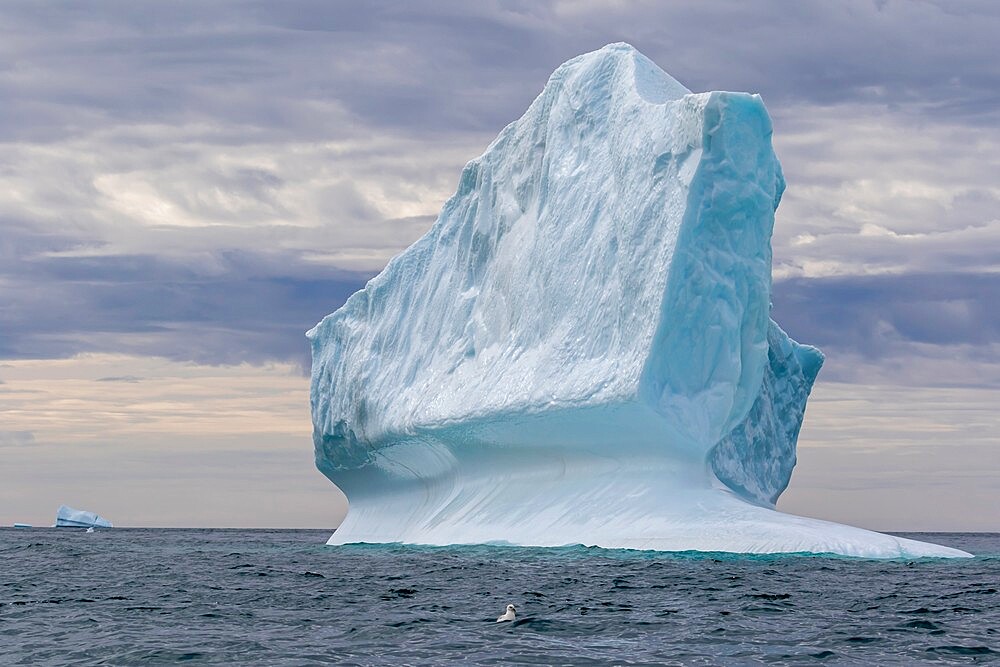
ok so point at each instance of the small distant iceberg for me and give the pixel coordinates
(67, 517)
(22, 525)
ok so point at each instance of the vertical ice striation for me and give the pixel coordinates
(580, 350)
(756, 459)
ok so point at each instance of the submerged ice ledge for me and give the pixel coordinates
(580, 349)
(473, 483)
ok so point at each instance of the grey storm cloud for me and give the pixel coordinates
(916, 329)
(248, 308)
(205, 181)
(458, 66)
(871, 314)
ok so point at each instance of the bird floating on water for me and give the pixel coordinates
(509, 615)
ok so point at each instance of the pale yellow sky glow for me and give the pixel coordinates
(152, 442)
(891, 457)
(147, 441)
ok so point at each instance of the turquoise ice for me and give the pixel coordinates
(580, 349)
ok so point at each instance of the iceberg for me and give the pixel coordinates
(67, 517)
(580, 350)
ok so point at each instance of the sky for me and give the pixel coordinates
(187, 187)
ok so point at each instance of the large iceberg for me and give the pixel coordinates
(67, 517)
(580, 349)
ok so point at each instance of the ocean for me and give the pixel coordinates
(282, 597)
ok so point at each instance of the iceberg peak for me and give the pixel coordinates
(579, 350)
(616, 69)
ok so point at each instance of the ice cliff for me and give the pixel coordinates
(580, 349)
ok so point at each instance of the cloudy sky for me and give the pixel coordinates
(186, 187)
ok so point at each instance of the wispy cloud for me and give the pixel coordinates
(872, 191)
(16, 438)
(890, 457)
(190, 445)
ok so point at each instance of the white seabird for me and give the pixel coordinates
(509, 615)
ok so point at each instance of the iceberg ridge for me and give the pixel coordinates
(580, 349)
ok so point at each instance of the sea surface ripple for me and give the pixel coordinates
(281, 597)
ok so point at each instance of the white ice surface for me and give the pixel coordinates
(579, 350)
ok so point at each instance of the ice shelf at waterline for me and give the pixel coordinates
(579, 351)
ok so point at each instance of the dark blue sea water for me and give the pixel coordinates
(281, 597)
